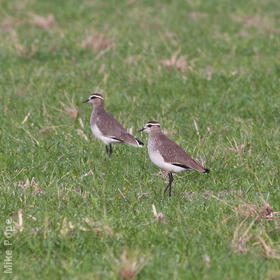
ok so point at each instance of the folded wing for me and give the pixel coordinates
(113, 129)
(175, 155)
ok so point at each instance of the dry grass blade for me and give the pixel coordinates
(273, 275)
(32, 217)
(46, 227)
(196, 127)
(130, 264)
(238, 149)
(159, 216)
(122, 195)
(175, 63)
(9, 23)
(240, 238)
(72, 112)
(48, 129)
(141, 195)
(202, 161)
(23, 184)
(268, 251)
(44, 23)
(244, 209)
(207, 261)
(65, 227)
(20, 220)
(88, 173)
(82, 134)
(100, 230)
(253, 226)
(19, 224)
(250, 210)
(196, 15)
(209, 71)
(21, 49)
(102, 68)
(26, 118)
(70, 109)
(33, 185)
(34, 140)
(243, 34)
(133, 60)
(225, 202)
(263, 24)
(81, 123)
(97, 41)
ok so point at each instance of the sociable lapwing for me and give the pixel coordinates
(106, 128)
(167, 155)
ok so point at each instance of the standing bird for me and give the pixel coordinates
(167, 155)
(106, 128)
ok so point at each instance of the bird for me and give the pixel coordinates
(167, 155)
(106, 128)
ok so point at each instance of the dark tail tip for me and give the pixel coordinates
(206, 171)
(141, 144)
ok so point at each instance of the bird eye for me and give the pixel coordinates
(149, 125)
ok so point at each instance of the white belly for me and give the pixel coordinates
(158, 160)
(98, 134)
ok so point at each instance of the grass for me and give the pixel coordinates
(208, 71)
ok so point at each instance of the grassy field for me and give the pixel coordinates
(208, 71)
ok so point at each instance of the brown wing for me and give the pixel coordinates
(110, 127)
(174, 154)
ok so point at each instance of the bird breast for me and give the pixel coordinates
(158, 159)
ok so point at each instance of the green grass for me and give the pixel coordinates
(77, 227)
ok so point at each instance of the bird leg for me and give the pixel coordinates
(169, 186)
(109, 149)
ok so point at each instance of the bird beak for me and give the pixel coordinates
(86, 101)
(140, 130)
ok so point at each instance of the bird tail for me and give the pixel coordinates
(140, 144)
(206, 170)
(131, 140)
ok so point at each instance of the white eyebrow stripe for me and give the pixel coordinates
(97, 96)
(153, 124)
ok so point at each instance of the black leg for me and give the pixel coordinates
(169, 186)
(109, 149)
(170, 182)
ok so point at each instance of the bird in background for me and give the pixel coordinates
(167, 155)
(106, 128)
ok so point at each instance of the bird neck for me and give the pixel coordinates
(154, 134)
(98, 108)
